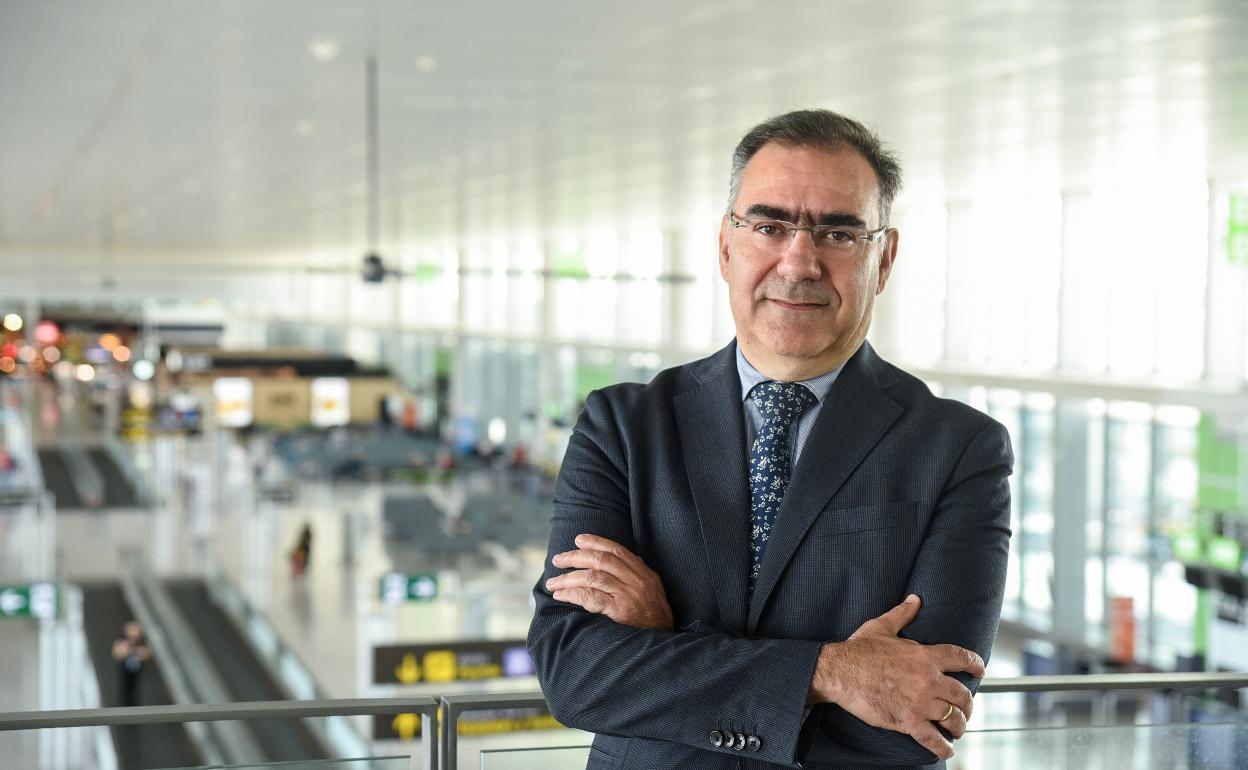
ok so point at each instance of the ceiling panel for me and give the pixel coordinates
(134, 128)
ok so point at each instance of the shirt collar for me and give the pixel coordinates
(750, 377)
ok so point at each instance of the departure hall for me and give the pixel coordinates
(650, 386)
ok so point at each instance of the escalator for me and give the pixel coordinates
(242, 673)
(58, 479)
(118, 491)
(139, 747)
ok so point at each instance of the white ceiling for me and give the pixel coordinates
(175, 136)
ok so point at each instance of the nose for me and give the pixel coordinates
(799, 260)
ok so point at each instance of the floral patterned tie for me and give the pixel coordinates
(781, 405)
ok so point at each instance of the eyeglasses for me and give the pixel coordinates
(775, 234)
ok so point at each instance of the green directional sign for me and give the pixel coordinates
(398, 588)
(1237, 230)
(1224, 553)
(36, 600)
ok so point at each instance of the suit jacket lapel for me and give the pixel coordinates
(854, 417)
(711, 423)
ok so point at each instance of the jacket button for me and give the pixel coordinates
(753, 743)
(717, 738)
(740, 744)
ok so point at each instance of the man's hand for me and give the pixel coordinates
(898, 684)
(608, 579)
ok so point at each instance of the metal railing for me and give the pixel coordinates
(426, 707)
(452, 707)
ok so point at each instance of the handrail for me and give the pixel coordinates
(218, 712)
(1070, 682)
(171, 670)
(238, 608)
(426, 706)
(454, 706)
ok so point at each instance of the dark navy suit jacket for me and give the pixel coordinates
(896, 491)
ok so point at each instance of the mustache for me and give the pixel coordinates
(797, 294)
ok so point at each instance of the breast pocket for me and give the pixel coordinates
(857, 561)
(839, 522)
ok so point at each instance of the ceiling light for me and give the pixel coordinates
(323, 50)
(47, 333)
(13, 322)
(426, 64)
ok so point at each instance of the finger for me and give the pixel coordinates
(598, 580)
(955, 723)
(588, 598)
(898, 617)
(951, 657)
(599, 543)
(953, 691)
(929, 738)
(597, 560)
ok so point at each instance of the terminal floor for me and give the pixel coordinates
(331, 616)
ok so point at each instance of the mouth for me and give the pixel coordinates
(797, 305)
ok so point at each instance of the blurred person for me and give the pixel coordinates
(788, 554)
(444, 461)
(301, 554)
(131, 653)
(8, 467)
(411, 422)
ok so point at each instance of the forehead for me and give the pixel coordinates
(810, 181)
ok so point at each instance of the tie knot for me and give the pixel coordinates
(782, 402)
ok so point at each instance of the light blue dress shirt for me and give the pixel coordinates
(753, 418)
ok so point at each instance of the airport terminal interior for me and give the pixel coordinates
(301, 303)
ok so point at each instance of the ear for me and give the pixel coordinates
(888, 255)
(725, 229)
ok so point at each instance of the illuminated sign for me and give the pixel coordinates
(1224, 553)
(331, 402)
(409, 727)
(234, 401)
(37, 600)
(450, 662)
(1237, 229)
(398, 588)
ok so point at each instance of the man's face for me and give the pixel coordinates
(799, 310)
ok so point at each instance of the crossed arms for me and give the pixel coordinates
(611, 662)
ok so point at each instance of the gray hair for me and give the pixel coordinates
(824, 130)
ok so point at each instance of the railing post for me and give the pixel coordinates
(450, 734)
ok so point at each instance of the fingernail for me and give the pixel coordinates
(912, 599)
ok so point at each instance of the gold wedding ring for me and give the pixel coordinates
(947, 714)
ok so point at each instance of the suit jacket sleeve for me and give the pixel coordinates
(680, 686)
(960, 576)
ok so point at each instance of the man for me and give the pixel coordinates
(130, 652)
(790, 553)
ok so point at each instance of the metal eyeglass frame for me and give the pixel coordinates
(864, 235)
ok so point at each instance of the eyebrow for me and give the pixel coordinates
(825, 218)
